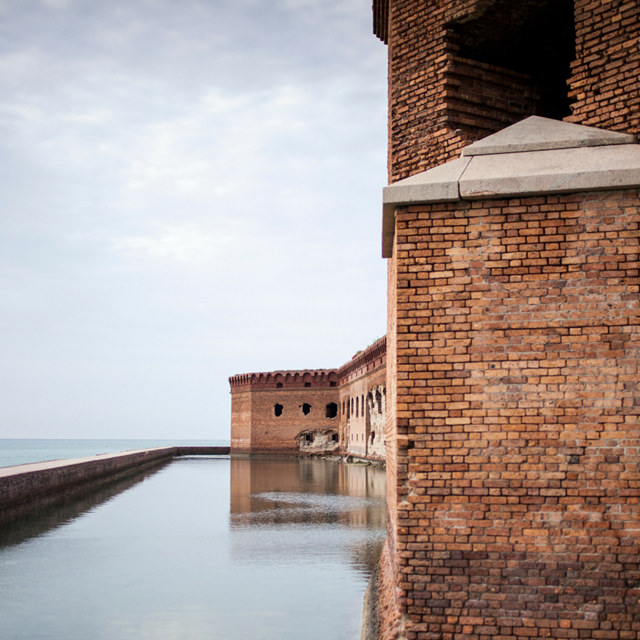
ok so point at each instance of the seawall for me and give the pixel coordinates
(29, 487)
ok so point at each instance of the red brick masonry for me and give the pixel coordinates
(513, 444)
(518, 444)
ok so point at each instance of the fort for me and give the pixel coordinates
(318, 411)
(511, 227)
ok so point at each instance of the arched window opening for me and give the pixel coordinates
(277, 410)
(357, 406)
(373, 436)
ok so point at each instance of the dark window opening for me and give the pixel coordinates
(379, 401)
(331, 410)
(343, 407)
(332, 383)
(535, 37)
(362, 406)
(373, 436)
(277, 409)
(306, 409)
(279, 385)
(307, 384)
(334, 437)
(357, 406)
(308, 437)
(349, 409)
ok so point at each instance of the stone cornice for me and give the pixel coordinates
(534, 157)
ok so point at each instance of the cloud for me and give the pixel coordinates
(191, 186)
(176, 244)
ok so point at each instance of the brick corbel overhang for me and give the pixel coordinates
(536, 156)
(373, 356)
(381, 19)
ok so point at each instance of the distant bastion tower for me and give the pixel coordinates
(320, 411)
(278, 412)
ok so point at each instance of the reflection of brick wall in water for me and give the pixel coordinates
(289, 477)
(290, 492)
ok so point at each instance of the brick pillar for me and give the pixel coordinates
(605, 79)
(513, 344)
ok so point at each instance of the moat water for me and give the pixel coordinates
(202, 548)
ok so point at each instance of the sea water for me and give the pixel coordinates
(201, 548)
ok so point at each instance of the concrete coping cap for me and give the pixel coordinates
(541, 134)
(536, 156)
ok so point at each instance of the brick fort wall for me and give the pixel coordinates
(512, 431)
(282, 405)
(605, 79)
(362, 383)
(517, 405)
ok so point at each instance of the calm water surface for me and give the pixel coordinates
(260, 548)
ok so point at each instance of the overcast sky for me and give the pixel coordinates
(190, 189)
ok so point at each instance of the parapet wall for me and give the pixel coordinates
(517, 422)
(303, 379)
(24, 488)
(28, 487)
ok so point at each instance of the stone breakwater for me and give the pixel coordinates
(26, 488)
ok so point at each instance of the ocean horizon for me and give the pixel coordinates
(16, 451)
